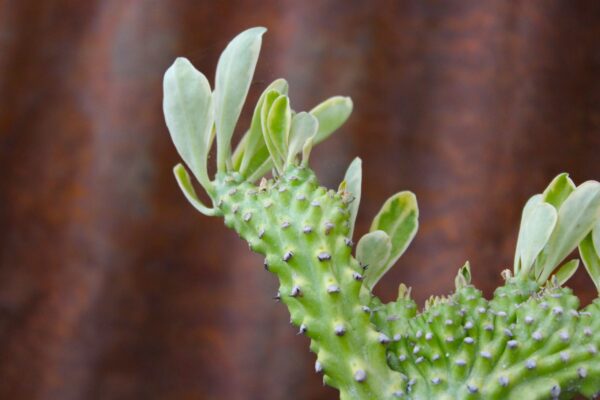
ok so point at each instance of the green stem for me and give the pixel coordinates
(301, 228)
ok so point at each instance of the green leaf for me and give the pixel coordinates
(372, 251)
(331, 113)
(234, 74)
(536, 231)
(252, 151)
(303, 127)
(261, 170)
(558, 190)
(576, 218)
(596, 237)
(463, 278)
(566, 271)
(531, 203)
(306, 149)
(399, 218)
(279, 123)
(353, 179)
(270, 99)
(591, 259)
(187, 105)
(183, 179)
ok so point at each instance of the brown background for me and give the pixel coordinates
(113, 287)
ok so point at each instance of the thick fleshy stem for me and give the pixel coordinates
(523, 343)
(302, 230)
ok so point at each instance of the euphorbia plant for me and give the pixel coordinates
(530, 341)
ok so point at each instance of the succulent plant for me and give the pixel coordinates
(530, 341)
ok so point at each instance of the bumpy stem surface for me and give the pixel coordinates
(302, 230)
(524, 343)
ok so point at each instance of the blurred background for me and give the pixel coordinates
(113, 287)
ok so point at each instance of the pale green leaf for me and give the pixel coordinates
(463, 278)
(537, 230)
(306, 149)
(303, 127)
(183, 179)
(187, 105)
(252, 151)
(576, 218)
(529, 206)
(558, 190)
(591, 259)
(399, 218)
(566, 271)
(372, 251)
(353, 179)
(596, 237)
(268, 102)
(331, 113)
(234, 74)
(279, 122)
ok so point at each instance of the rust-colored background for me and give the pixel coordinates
(113, 287)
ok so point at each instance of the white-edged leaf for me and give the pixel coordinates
(185, 184)
(576, 218)
(187, 105)
(252, 151)
(234, 74)
(529, 206)
(537, 230)
(558, 190)
(304, 126)
(372, 251)
(399, 218)
(566, 271)
(331, 113)
(596, 237)
(353, 179)
(591, 260)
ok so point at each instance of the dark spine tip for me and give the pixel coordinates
(333, 289)
(357, 276)
(360, 375)
(339, 330)
(318, 367)
(287, 256)
(296, 292)
(383, 339)
(472, 389)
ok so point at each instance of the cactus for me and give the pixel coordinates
(531, 340)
